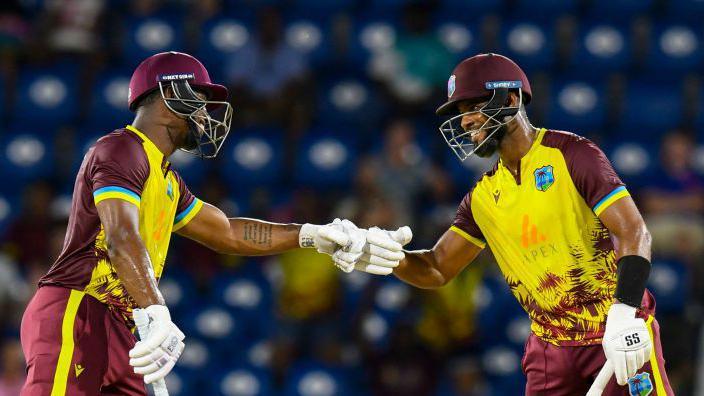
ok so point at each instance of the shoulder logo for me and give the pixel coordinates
(640, 385)
(451, 86)
(170, 190)
(544, 178)
(496, 194)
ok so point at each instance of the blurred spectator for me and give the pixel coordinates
(439, 207)
(465, 378)
(266, 74)
(27, 238)
(422, 62)
(73, 26)
(674, 199)
(12, 373)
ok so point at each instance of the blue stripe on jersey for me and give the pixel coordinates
(186, 211)
(609, 195)
(115, 189)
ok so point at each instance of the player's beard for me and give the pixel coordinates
(192, 136)
(490, 145)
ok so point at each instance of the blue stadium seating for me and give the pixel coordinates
(618, 9)
(9, 206)
(675, 48)
(253, 158)
(690, 10)
(46, 96)
(109, 105)
(543, 9)
(349, 102)
(25, 156)
(219, 39)
(460, 38)
(669, 282)
(469, 9)
(649, 110)
(309, 378)
(576, 106)
(310, 38)
(243, 380)
(529, 44)
(327, 159)
(371, 40)
(146, 36)
(601, 48)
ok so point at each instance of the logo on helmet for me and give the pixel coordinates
(451, 86)
(175, 77)
(503, 84)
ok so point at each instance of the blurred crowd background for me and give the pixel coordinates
(334, 116)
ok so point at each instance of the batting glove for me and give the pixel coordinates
(626, 341)
(340, 239)
(383, 251)
(155, 356)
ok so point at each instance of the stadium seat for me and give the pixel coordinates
(373, 40)
(649, 110)
(601, 48)
(195, 357)
(461, 39)
(9, 207)
(221, 38)
(46, 97)
(25, 156)
(617, 9)
(529, 44)
(109, 103)
(349, 102)
(689, 10)
(632, 161)
(391, 297)
(244, 381)
(375, 329)
(253, 158)
(576, 106)
(669, 283)
(308, 378)
(460, 9)
(309, 38)
(674, 48)
(250, 300)
(146, 36)
(326, 159)
(543, 9)
(259, 353)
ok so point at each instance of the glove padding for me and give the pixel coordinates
(626, 341)
(155, 356)
(334, 239)
(383, 251)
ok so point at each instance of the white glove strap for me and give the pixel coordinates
(158, 313)
(306, 236)
(620, 310)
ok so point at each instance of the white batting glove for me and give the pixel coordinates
(155, 356)
(626, 341)
(340, 239)
(384, 250)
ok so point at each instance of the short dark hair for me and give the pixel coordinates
(148, 99)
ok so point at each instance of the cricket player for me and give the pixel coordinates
(77, 331)
(564, 230)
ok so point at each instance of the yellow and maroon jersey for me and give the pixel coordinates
(544, 231)
(125, 165)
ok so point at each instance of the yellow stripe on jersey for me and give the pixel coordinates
(659, 387)
(468, 237)
(187, 214)
(609, 199)
(124, 194)
(63, 366)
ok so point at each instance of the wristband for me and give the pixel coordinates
(632, 275)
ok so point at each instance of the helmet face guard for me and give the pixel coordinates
(208, 120)
(497, 113)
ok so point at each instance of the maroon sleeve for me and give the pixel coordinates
(118, 160)
(186, 198)
(464, 219)
(589, 168)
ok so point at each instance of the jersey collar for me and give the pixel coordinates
(149, 145)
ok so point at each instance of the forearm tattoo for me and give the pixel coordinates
(258, 233)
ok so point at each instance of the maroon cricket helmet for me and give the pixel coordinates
(169, 66)
(475, 78)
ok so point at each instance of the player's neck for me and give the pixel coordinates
(516, 143)
(157, 132)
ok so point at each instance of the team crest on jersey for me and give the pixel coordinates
(640, 385)
(544, 178)
(170, 190)
(451, 86)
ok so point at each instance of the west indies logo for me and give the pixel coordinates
(640, 385)
(544, 178)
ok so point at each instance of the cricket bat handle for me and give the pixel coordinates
(602, 379)
(141, 319)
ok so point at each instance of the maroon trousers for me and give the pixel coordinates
(568, 371)
(74, 345)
